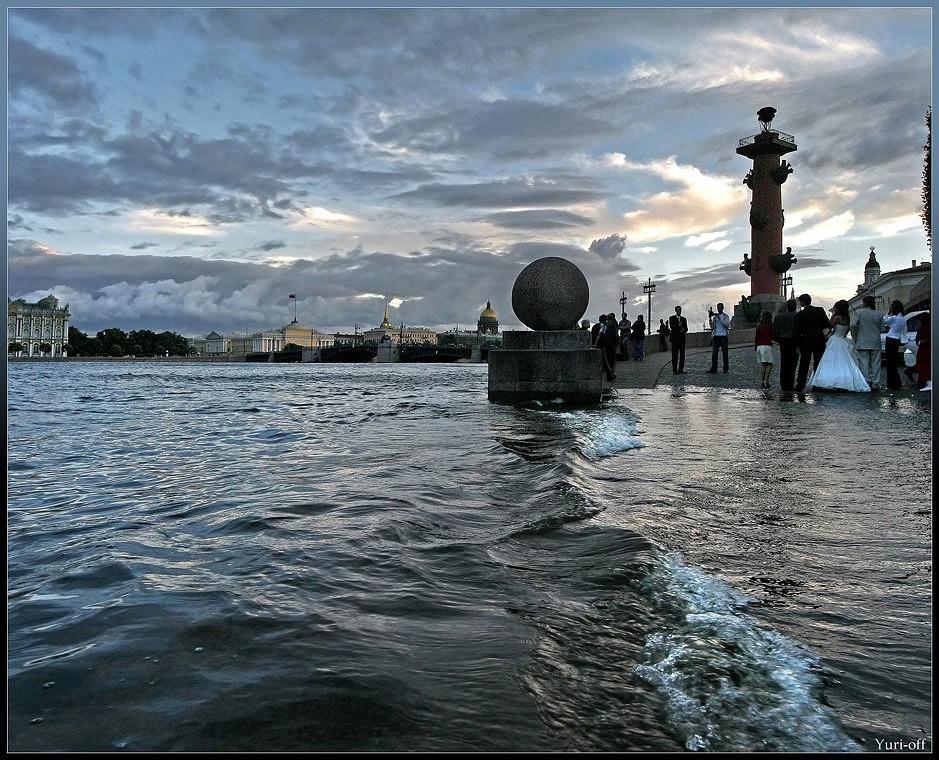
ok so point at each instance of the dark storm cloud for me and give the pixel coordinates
(28, 132)
(143, 246)
(609, 247)
(808, 262)
(240, 176)
(270, 245)
(49, 75)
(167, 167)
(537, 219)
(863, 132)
(47, 182)
(505, 129)
(195, 295)
(501, 194)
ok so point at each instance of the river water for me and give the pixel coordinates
(373, 557)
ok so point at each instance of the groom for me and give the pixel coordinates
(809, 328)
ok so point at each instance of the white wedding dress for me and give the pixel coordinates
(838, 369)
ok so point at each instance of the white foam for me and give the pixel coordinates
(608, 435)
(729, 684)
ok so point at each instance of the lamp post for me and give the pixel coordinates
(649, 289)
(786, 282)
(622, 305)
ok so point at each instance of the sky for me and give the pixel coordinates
(188, 169)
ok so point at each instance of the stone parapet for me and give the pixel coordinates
(546, 340)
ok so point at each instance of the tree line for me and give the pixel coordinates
(115, 342)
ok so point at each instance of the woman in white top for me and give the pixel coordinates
(896, 324)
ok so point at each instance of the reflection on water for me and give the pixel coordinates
(277, 557)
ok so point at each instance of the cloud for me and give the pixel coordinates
(270, 245)
(609, 247)
(506, 129)
(834, 227)
(537, 219)
(48, 75)
(142, 246)
(514, 193)
(702, 203)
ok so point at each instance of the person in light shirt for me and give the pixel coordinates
(895, 324)
(720, 328)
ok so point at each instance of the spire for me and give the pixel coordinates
(385, 324)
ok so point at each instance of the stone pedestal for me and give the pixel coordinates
(388, 352)
(545, 365)
(765, 301)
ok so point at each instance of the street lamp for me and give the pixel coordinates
(622, 305)
(786, 282)
(649, 289)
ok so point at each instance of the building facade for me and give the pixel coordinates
(38, 325)
(305, 337)
(267, 342)
(400, 335)
(216, 344)
(903, 285)
(388, 333)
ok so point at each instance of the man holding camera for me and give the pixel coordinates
(720, 329)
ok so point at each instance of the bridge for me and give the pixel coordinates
(430, 354)
(348, 353)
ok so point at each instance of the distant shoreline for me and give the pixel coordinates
(38, 359)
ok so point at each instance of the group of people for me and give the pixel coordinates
(807, 338)
(618, 338)
(677, 331)
(811, 338)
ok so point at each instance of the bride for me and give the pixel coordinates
(838, 369)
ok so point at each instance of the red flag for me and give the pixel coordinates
(292, 295)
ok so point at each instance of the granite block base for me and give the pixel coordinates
(545, 365)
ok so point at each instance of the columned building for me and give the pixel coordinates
(36, 325)
(216, 344)
(266, 342)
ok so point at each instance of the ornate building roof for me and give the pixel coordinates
(488, 321)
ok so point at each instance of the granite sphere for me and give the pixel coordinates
(550, 294)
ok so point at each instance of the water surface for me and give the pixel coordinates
(365, 557)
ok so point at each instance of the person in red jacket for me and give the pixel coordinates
(763, 345)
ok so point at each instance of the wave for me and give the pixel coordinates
(729, 684)
(604, 433)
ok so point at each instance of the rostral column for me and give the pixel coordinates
(766, 261)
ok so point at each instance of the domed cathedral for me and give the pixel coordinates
(488, 323)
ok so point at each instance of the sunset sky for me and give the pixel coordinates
(188, 169)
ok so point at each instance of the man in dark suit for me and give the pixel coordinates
(784, 324)
(678, 327)
(809, 328)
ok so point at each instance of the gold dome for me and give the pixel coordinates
(488, 312)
